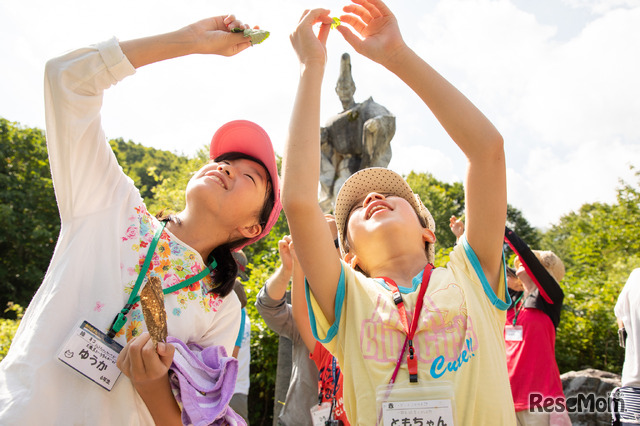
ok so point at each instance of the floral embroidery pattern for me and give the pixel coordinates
(134, 329)
(163, 266)
(131, 233)
(172, 262)
(120, 333)
(163, 249)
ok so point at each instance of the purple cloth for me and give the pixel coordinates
(203, 381)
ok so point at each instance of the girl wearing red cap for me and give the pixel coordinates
(415, 343)
(110, 246)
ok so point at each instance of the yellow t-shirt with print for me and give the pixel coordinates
(459, 339)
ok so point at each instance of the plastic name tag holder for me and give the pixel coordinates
(424, 403)
(93, 354)
(513, 333)
(320, 414)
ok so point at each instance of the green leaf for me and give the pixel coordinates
(257, 36)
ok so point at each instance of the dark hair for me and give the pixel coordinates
(225, 273)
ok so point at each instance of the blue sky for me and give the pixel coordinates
(560, 79)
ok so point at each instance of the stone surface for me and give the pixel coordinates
(589, 389)
(357, 138)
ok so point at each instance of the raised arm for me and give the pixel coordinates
(208, 36)
(299, 304)
(145, 365)
(486, 207)
(271, 303)
(457, 227)
(301, 166)
(277, 284)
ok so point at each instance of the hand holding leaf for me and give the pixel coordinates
(257, 36)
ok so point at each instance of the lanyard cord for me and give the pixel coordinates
(515, 318)
(412, 359)
(120, 320)
(334, 374)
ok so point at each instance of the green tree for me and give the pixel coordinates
(147, 167)
(263, 259)
(443, 201)
(599, 245)
(8, 327)
(169, 191)
(30, 215)
(517, 222)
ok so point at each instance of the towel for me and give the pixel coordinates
(203, 381)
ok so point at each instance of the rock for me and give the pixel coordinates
(587, 393)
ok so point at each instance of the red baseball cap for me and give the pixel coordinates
(248, 138)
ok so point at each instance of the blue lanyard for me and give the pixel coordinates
(120, 320)
(335, 376)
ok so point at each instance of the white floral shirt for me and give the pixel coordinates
(103, 241)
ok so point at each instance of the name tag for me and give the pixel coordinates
(426, 412)
(414, 404)
(320, 413)
(93, 354)
(513, 333)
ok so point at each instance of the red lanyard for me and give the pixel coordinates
(410, 331)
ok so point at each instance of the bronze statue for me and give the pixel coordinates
(357, 138)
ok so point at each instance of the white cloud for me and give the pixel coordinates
(567, 108)
(588, 87)
(602, 6)
(548, 186)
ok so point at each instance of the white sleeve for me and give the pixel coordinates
(225, 326)
(622, 307)
(86, 175)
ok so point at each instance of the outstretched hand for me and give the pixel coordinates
(457, 226)
(309, 47)
(379, 36)
(214, 36)
(208, 36)
(286, 256)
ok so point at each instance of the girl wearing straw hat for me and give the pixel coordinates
(410, 338)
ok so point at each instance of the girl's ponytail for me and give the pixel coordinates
(224, 275)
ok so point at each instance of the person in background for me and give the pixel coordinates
(530, 334)
(626, 399)
(272, 306)
(513, 283)
(330, 404)
(242, 348)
